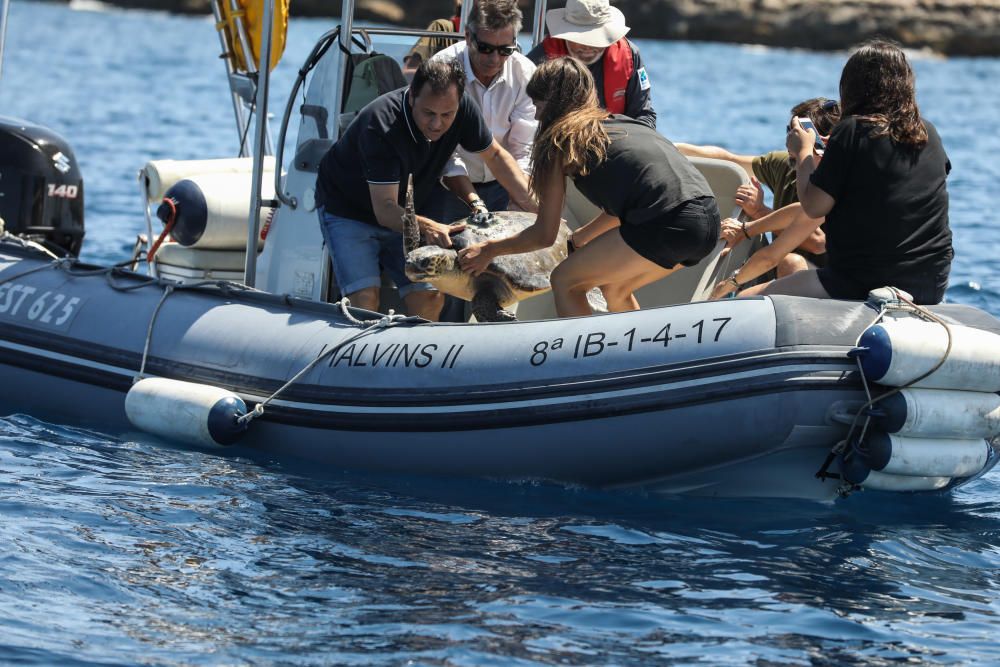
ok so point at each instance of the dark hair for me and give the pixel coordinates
(439, 74)
(495, 15)
(878, 86)
(824, 113)
(570, 134)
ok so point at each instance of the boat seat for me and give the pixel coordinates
(185, 264)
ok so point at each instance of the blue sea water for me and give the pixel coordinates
(127, 552)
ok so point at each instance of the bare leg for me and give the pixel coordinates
(425, 303)
(803, 283)
(605, 261)
(792, 263)
(366, 298)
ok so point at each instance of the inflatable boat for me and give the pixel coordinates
(198, 341)
(734, 397)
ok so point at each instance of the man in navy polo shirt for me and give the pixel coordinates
(408, 132)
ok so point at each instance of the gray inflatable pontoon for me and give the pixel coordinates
(735, 397)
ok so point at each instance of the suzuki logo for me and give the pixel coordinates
(61, 162)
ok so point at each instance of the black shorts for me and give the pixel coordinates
(927, 290)
(684, 236)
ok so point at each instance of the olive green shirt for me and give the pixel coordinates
(773, 170)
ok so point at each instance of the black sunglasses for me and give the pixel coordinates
(487, 49)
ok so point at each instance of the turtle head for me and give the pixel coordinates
(429, 262)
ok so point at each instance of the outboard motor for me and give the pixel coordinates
(41, 190)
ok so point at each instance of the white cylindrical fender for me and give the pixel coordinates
(925, 457)
(880, 481)
(897, 351)
(160, 175)
(184, 411)
(212, 210)
(941, 413)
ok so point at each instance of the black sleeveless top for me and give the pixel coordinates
(643, 178)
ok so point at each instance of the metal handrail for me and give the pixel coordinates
(259, 146)
(322, 46)
(4, 4)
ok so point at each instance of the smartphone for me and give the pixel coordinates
(807, 124)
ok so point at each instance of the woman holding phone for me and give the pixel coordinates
(880, 185)
(659, 213)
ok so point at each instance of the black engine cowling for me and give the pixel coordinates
(41, 190)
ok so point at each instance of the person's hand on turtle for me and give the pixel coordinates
(436, 233)
(475, 258)
(480, 212)
(750, 198)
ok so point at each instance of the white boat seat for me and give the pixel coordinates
(185, 264)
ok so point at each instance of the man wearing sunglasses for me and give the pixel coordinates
(496, 76)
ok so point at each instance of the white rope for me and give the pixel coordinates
(167, 291)
(384, 322)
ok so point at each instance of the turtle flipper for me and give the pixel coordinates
(486, 307)
(411, 232)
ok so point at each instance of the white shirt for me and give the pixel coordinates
(507, 110)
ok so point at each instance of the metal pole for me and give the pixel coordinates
(4, 4)
(538, 29)
(466, 10)
(259, 144)
(344, 50)
(241, 120)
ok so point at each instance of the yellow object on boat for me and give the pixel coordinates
(250, 14)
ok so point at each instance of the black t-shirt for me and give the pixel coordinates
(644, 176)
(889, 222)
(383, 145)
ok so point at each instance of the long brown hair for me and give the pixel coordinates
(878, 86)
(570, 136)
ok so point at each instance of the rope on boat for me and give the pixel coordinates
(167, 291)
(386, 321)
(901, 304)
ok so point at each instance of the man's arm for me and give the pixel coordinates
(462, 187)
(510, 176)
(691, 150)
(523, 125)
(638, 101)
(389, 214)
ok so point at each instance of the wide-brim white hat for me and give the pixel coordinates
(589, 22)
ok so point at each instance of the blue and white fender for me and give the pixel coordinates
(897, 351)
(186, 412)
(940, 413)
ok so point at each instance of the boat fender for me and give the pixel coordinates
(941, 413)
(187, 412)
(879, 481)
(158, 176)
(896, 352)
(923, 457)
(211, 210)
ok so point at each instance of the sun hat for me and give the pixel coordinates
(589, 22)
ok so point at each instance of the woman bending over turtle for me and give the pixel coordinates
(881, 186)
(658, 212)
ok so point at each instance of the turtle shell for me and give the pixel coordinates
(526, 272)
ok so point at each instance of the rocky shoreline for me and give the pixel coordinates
(950, 27)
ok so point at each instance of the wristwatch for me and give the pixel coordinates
(743, 226)
(733, 281)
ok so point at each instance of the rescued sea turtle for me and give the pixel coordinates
(507, 280)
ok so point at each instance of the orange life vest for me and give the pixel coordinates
(618, 69)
